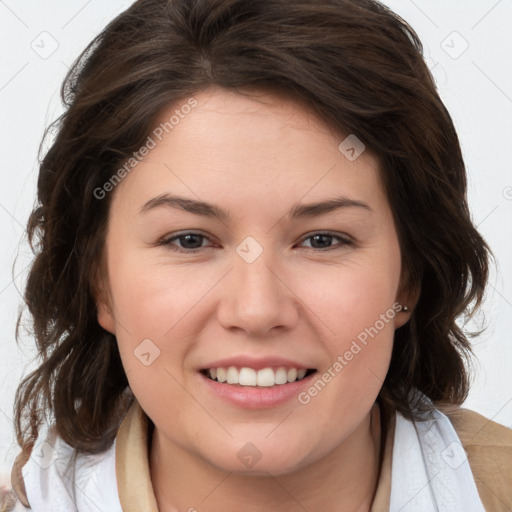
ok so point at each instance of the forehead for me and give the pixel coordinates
(267, 144)
(269, 119)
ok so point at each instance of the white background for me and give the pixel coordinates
(475, 84)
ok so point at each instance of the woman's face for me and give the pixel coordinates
(225, 248)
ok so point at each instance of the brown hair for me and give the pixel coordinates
(360, 67)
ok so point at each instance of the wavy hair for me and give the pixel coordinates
(360, 67)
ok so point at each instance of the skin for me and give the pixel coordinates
(301, 298)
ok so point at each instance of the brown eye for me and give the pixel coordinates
(189, 242)
(323, 241)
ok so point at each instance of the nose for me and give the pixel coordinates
(258, 297)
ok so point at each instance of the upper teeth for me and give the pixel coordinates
(248, 377)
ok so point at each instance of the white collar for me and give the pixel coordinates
(430, 470)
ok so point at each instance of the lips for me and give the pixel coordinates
(256, 363)
(254, 396)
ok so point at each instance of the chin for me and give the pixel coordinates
(261, 457)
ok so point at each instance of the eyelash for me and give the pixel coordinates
(168, 242)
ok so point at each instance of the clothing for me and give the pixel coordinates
(119, 479)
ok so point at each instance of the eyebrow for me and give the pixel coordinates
(298, 211)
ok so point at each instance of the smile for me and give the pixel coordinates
(266, 377)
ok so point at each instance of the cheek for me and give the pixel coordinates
(351, 297)
(149, 306)
(354, 305)
(153, 344)
(152, 299)
(358, 327)
(159, 308)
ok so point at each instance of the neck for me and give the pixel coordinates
(344, 479)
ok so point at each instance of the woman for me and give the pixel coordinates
(256, 368)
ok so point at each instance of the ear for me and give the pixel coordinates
(100, 291)
(105, 316)
(410, 299)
